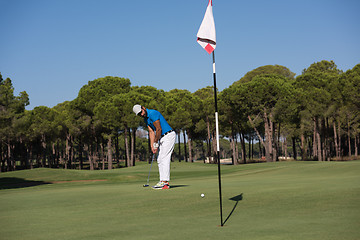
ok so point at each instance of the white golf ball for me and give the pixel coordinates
(202, 195)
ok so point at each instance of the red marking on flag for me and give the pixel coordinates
(209, 48)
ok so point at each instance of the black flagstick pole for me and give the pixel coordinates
(217, 138)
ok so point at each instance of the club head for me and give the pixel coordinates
(145, 185)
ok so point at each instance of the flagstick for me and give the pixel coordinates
(217, 137)
(206, 37)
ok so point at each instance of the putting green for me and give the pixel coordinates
(286, 200)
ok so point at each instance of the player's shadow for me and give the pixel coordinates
(236, 199)
(177, 186)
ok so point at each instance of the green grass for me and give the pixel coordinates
(286, 200)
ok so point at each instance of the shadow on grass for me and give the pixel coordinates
(12, 183)
(177, 186)
(236, 199)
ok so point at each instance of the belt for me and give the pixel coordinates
(167, 133)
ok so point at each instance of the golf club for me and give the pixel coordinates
(152, 160)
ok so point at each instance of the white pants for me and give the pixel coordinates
(166, 148)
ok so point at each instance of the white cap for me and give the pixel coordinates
(137, 109)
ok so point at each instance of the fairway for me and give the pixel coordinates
(283, 200)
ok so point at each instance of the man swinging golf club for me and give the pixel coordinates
(162, 139)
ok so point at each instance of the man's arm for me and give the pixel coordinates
(154, 138)
(151, 136)
(158, 130)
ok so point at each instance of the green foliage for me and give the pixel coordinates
(182, 109)
(100, 90)
(351, 90)
(206, 112)
(102, 113)
(43, 122)
(268, 69)
(11, 108)
(319, 90)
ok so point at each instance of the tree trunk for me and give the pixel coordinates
(190, 149)
(203, 152)
(102, 157)
(268, 138)
(128, 162)
(315, 152)
(356, 145)
(263, 143)
(294, 148)
(327, 140)
(81, 160)
(133, 148)
(9, 160)
(336, 140)
(90, 156)
(1, 158)
(339, 136)
(303, 144)
(91, 162)
(43, 144)
(277, 142)
(53, 156)
(349, 138)
(67, 151)
(2, 164)
(185, 151)
(117, 154)
(236, 149)
(323, 140)
(232, 143)
(250, 139)
(29, 153)
(285, 148)
(243, 149)
(252, 148)
(72, 161)
(109, 153)
(179, 146)
(318, 140)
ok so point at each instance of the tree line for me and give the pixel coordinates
(313, 116)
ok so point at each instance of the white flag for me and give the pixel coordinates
(206, 35)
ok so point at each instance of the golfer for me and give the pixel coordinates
(162, 139)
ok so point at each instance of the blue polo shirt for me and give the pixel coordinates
(154, 115)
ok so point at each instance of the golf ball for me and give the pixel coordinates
(202, 195)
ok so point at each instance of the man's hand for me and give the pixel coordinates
(154, 150)
(155, 147)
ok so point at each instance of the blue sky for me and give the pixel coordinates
(51, 48)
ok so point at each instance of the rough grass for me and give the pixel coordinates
(286, 200)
